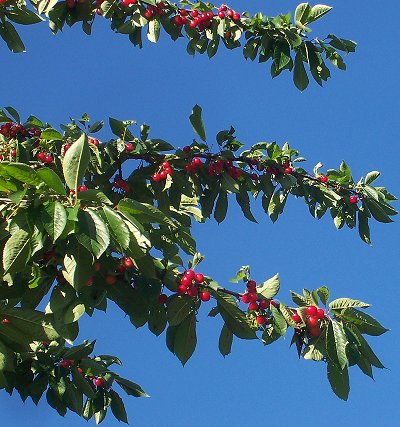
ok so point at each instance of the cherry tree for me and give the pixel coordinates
(86, 222)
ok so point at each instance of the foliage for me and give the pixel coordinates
(277, 39)
(78, 232)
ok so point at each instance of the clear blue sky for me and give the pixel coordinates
(354, 117)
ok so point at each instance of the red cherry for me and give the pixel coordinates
(120, 268)
(194, 13)
(193, 24)
(178, 20)
(186, 281)
(168, 171)
(156, 177)
(163, 175)
(312, 321)
(181, 289)
(315, 332)
(221, 14)
(41, 156)
(261, 320)
(66, 363)
(264, 304)
(111, 279)
(323, 178)
(98, 382)
(205, 296)
(311, 310)
(288, 170)
(5, 321)
(162, 299)
(228, 35)
(296, 318)
(89, 282)
(127, 262)
(223, 7)
(197, 161)
(183, 12)
(320, 313)
(246, 298)
(236, 16)
(48, 159)
(97, 266)
(254, 176)
(94, 141)
(251, 285)
(190, 274)
(165, 165)
(82, 188)
(253, 297)
(253, 306)
(129, 147)
(187, 149)
(148, 14)
(192, 291)
(199, 278)
(230, 13)
(353, 200)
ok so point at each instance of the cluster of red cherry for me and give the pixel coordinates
(97, 381)
(120, 183)
(250, 297)
(12, 130)
(313, 317)
(162, 175)
(189, 285)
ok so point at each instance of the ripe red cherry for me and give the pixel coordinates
(163, 175)
(197, 161)
(111, 279)
(253, 297)
(199, 278)
(236, 16)
(97, 266)
(120, 268)
(5, 321)
(246, 298)
(187, 149)
(186, 281)
(192, 291)
(194, 13)
(253, 176)
(251, 285)
(221, 14)
(228, 35)
(41, 156)
(253, 306)
(320, 313)
(312, 321)
(165, 165)
(230, 13)
(66, 363)
(323, 178)
(353, 200)
(148, 14)
(98, 382)
(162, 299)
(288, 170)
(181, 289)
(127, 262)
(48, 159)
(311, 310)
(296, 318)
(82, 188)
(193, 23)
(156, 177)
(129, 147)
(205, 296)
(168, 171)
(315, 332)
(94, 141)
(261, 320)
(190, 274)
(264, 304)
(89, 282)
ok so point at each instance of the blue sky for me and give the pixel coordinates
(354, 117)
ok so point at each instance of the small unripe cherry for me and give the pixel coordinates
(111, 279)
(162, 299)
(181, 289)
(190, 274)
(315, 332)
(127, 262)
(82, 188)
(323, 179)
(246, 298)
(312, 321)
(253, 306)
(353, 200)
(204, 296)
(129, 147)
(253, 297)
(192, 291)
(261, 320)
(186, 281)
(264, 304)
(320, 313)
(251, 285)
(311, 310)
(296, 318)
(199, 278)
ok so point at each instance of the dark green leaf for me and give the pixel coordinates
(197, 122)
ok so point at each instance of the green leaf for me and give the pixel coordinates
(153, 30)
(76, 262)
(339, 380)
(365, 349)
(244, 202)
(221, 207)
(11, 37)
(336, 332)
(130, 387)
(74, 312)
(365, 323)
(300, 77)
(317, 12)
(197, 122)
(341, 303)
(185, 338)
(371, 176)
(363, 227)
(270, 287)
(117, 227)
(81, 383)
(279, 322)
(92, 232)
(157, 318)
(54, 219)
(225, 341)
(234, 317)
(323, 293)
(16, 252)
(377, 211)
(301, 14)
(52, 180)
(94, 196)
(76, 161)
(7, 358)
(179, 307)
(50, 134)
(23, 173)
(118, 407)
(23, 16)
